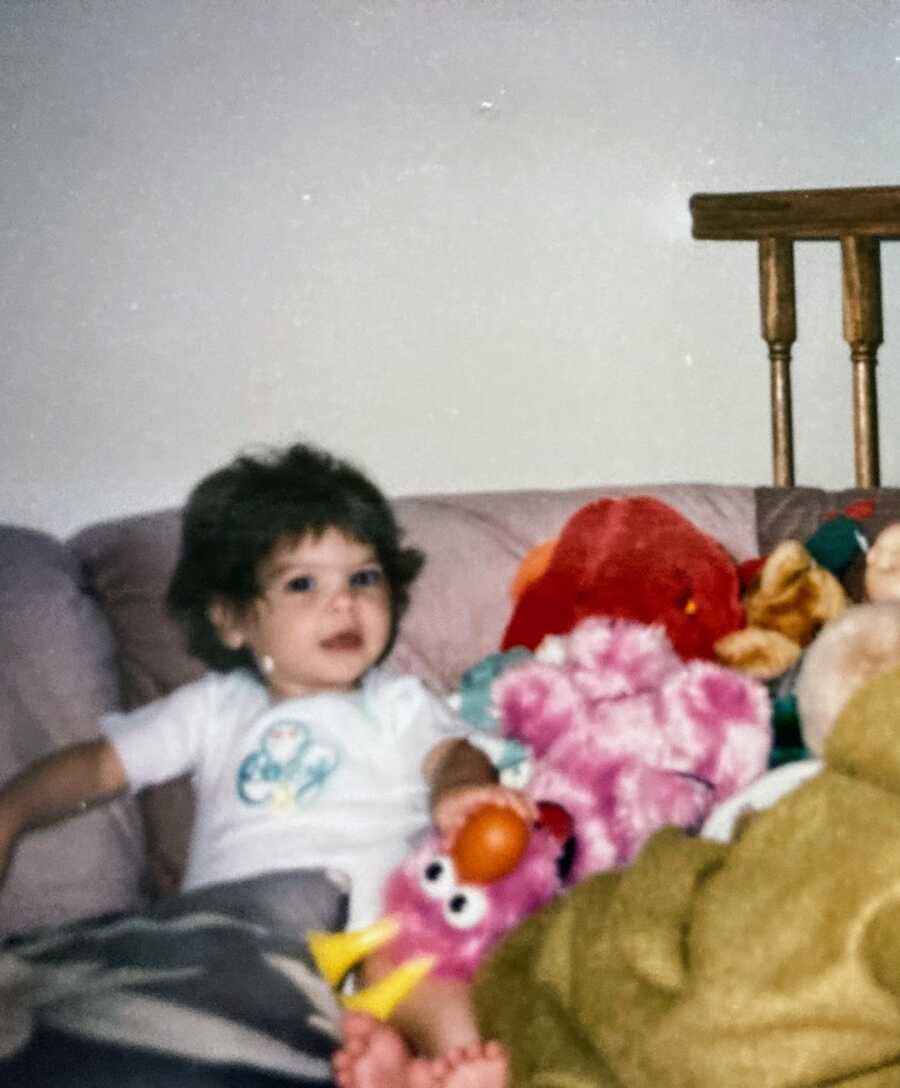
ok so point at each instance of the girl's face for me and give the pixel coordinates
(322, 619)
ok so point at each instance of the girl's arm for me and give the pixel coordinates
(57, 786)
(456, 764)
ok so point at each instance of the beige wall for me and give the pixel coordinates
(447, 237)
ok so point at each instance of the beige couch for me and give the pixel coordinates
(82, 630)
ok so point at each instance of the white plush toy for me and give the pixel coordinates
(882, 579)
(852, 649)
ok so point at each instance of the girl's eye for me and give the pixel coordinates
(301, 584)
(362, 579)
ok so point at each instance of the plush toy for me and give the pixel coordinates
(625, 738)
(791, 597)
(840, 538)
(882, 574)
(441, 914)
(634, 558)
(860, 644)
(628, 737)
(472, 700)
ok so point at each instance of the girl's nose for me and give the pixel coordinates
(342, 597)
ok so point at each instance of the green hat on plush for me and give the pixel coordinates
(836, 543)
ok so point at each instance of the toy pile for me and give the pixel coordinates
(622, 737)
(629, 695)
(764, 951)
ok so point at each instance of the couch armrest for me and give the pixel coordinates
(57, 675)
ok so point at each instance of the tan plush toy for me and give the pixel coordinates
(787, 603)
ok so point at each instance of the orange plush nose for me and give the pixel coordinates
(490, 844)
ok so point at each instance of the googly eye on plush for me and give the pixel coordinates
(465, 907)
(438, 877)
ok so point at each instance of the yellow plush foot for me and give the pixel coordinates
(381, 998)
(335, 953)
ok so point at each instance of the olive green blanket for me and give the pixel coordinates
(769, 962)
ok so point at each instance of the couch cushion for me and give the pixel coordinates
(128, 563)
(57, 675)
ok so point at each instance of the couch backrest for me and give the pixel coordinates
(474, 544)
(795, 513)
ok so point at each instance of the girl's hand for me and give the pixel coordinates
(455, 806)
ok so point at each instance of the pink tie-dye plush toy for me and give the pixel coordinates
(625, 738)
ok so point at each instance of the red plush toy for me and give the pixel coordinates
(637, 559)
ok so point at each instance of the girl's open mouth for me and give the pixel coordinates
(343, 640)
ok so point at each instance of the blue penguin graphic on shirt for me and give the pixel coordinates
(287, 769)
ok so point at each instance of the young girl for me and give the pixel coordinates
(291, 583)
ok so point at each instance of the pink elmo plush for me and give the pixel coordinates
(457, 921)
(626, 738)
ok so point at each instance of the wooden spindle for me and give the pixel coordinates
(779, 330)
(861, 266)
(861, 218)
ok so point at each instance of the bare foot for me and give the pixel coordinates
(374, 1055)
(481, 1065)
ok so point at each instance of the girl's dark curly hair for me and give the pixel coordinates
(236, 516)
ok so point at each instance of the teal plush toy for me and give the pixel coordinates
(473, 703)
(474, 697)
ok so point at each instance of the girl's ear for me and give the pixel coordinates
(226, 619)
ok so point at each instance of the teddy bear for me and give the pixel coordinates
(790, 596)
(624, 738)
(787, 602)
